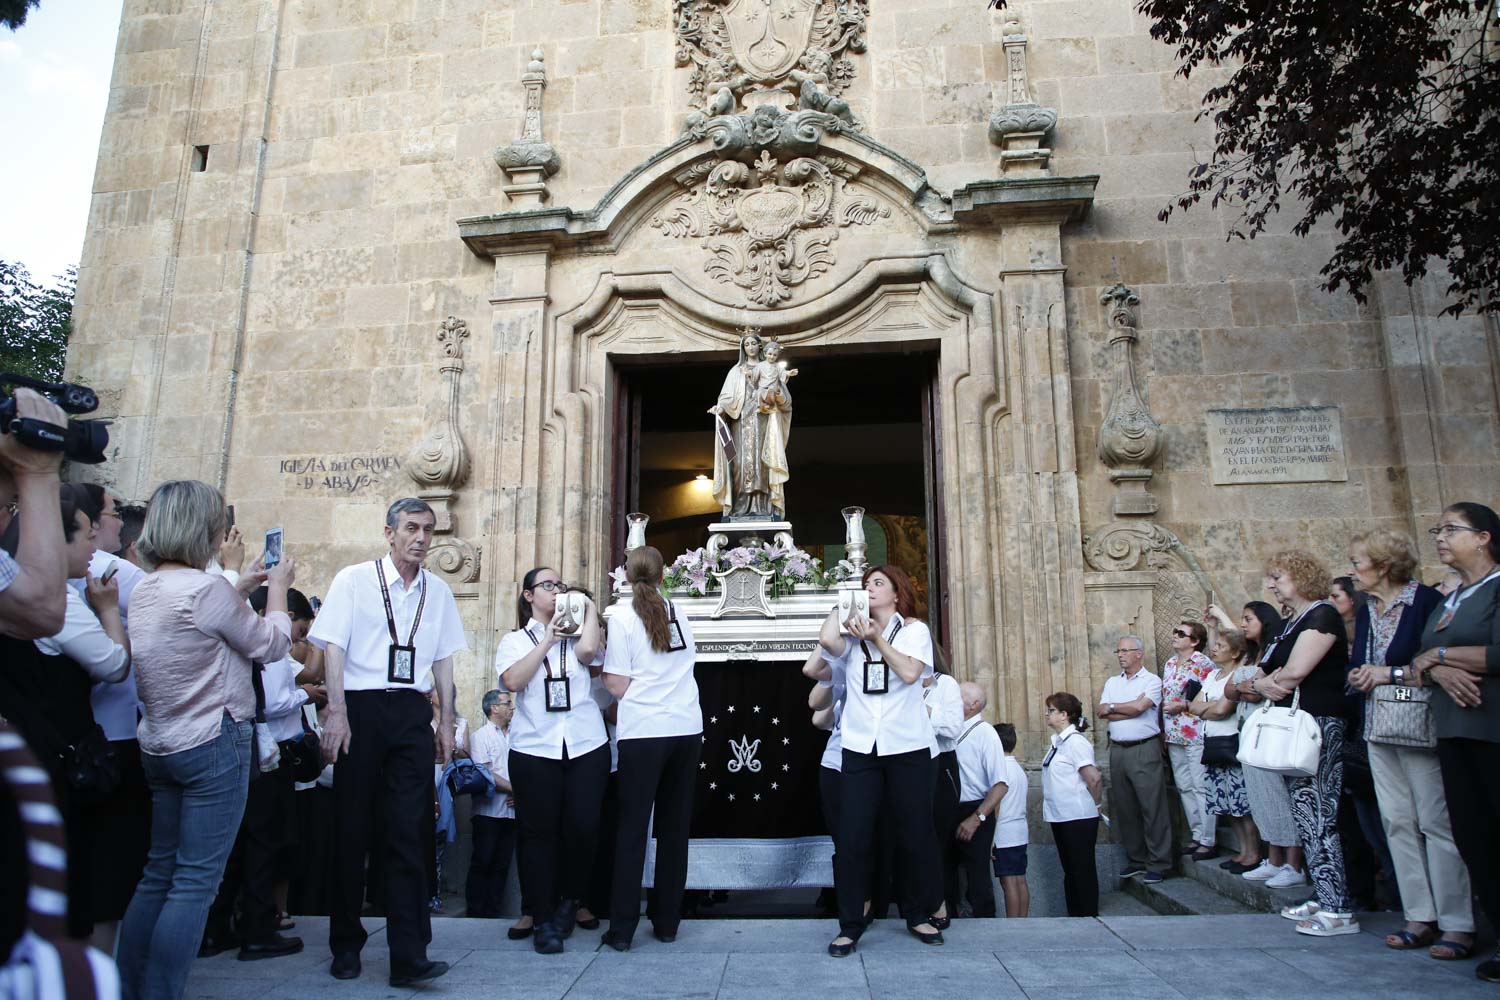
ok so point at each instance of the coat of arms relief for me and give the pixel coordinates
(766, 76)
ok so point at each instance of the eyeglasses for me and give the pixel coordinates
(111, 513)
(1444, 530)
(552, 586)
(1122, 652)
(1182, 633)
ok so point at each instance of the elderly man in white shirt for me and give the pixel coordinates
(388, 629)
(982, 787)
(494, 819)
(1131, 704)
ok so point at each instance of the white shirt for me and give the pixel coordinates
(662, 699)
(1064, 795)
(84, 641)
(981, 760)
(353, 618)
(284, 699)
(897, 721)
(1011, 829)
(533, 729)
(945, 710)
(115, 703)
(492, 750)
(604, 699)
(833, 752)
(1213, 690)
(1120, 689)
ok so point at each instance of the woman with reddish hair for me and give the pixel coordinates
(888, 746)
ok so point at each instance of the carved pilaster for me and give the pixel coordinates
(1129, 438)
(439, 462)
(529, 160)
(1021, 126)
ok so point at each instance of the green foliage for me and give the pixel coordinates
(13, 12)
(35, 322)
(1381, 117)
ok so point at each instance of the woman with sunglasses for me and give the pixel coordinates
(1460, 661)
(559, 756)
(1071, 793)
(1182, 677)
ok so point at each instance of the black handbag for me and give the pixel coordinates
(1221, 751)
(304, 754)
(91, 766)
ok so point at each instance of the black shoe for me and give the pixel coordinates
(664, 938)
(616, 941)
(1131, 871)
(1226, 865)
(566, 918)
(547, 941)
(836, 950)
(273, 947)
(214, 944)
(936, 937)
(410, 975)
(591, 924)
(941, 923)
(345, 966)
(1151, 878)
(1206, 854)
(519, 933)
(1489, 970)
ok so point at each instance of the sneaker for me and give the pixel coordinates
(1151, 878)
(1131, 871)
(1265, 871)
(1287, 878)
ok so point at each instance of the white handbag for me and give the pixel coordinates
(1284, 741)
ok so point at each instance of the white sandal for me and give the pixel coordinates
(1302, 911)
(1326, 923)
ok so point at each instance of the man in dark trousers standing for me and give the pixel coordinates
(388, 629)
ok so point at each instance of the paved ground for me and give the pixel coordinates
(1111, 958)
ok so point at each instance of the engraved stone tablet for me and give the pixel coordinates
(1303, 444)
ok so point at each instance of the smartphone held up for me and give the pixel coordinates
(273, 547)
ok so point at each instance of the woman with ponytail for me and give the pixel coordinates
(559, 757)
(648, 665)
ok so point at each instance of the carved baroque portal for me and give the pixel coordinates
(745, 53)
(771, 227)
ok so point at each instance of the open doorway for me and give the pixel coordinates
(863, 432)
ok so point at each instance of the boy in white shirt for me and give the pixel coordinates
(1011, 834)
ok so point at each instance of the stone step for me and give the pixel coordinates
(1184, 897)
(1254, 896)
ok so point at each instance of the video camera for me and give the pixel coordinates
(81, 440)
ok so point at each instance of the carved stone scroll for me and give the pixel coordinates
(1021, 125)
(1129, 438)
(439, 462)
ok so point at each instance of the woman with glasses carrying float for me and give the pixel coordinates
(559, 754)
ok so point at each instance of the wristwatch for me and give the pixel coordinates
(980, 816)
(1398, 675)
(1111, 707)
(1443, 655)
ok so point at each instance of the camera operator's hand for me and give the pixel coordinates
(24, 461)
(282, 574)
(102, 593)
(252, 578)
(232, 551)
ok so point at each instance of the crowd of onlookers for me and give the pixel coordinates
(195, 752)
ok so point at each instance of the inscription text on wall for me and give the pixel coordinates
(1303, 444)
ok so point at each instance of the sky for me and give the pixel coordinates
(54, 85)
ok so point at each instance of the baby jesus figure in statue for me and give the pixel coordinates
(771, 376)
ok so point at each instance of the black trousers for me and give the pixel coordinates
(973, 856)
(489, 864)
(248, 890)
(1075, 850)
(389, 765)
(944, 820)
(602, 879)
(902, 784)
(657, 771)
(558, 803)
(1469, 769)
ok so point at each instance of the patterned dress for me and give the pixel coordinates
(1225, 794)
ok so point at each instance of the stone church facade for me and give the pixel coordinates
(345, 250)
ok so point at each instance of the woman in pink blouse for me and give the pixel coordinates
(1188, 666)
(193, 638)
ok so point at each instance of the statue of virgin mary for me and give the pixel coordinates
(753, 420)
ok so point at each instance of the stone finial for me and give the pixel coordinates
(439, 462)
(1129, 438)
(529, 161)
(1021, 125)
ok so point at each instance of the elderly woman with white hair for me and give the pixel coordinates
(193, 639)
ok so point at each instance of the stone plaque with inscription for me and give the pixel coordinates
(1302, 444)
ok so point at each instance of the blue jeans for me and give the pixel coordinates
(197, 801)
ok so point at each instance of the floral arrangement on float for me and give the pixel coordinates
(790, 567)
